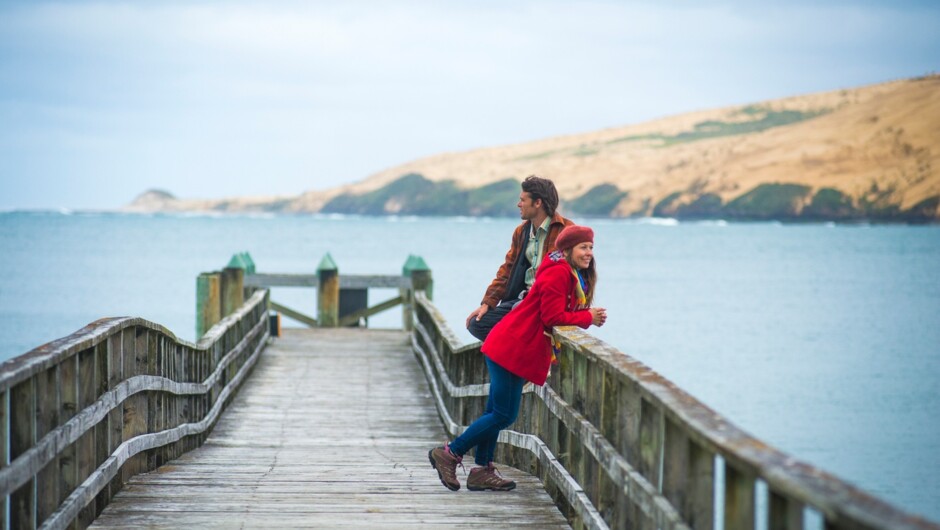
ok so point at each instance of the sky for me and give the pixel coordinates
(101, 101)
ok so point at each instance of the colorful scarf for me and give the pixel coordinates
(580, 287)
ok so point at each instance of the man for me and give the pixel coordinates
(531, 241)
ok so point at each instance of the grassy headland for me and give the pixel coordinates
(868, 153)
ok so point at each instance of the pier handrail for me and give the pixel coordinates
(330, 286)
(618, 445)
(80, 415)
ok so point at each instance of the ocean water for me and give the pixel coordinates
(823, 340)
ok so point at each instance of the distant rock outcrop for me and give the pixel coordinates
(869, 153)
(152, 200)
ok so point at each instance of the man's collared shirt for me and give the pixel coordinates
(533, 250)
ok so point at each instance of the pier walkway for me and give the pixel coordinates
(331, 430)
(123, 425)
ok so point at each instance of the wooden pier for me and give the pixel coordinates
(332, 431)
(121, 424)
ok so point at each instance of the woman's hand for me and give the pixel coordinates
(598, 316)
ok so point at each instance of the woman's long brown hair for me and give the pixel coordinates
(589, 274)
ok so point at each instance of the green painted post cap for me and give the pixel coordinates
(243, 261)
(238, 262)
(414, 263)
(327, 264)
(249, 262)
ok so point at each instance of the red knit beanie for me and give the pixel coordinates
(573, 235)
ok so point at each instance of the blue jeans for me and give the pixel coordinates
(502, 408)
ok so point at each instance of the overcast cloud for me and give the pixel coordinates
(100, 101)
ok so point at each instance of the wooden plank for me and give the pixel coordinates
(651, 443)
(296, 315)
(676, 468)
(700, 497)
(68, 407)
(22, 437)
(354, 317)
(333, 430)
(116, 356)
(4, 456)
(47, 419)
(785, 514)
(739, 499)
(266, 281)
(347, 281)
(133, 417)
(87, 447)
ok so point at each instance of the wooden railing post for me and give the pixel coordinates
(22, 437)
(233, 289)
(327, 292)
(420, 274)
(208, 302)
(739, 499)
(4, 454)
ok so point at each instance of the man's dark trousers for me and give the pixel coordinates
(480, 329)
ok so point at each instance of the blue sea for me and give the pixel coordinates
(821, 339)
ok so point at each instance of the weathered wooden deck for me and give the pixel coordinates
(331, 430)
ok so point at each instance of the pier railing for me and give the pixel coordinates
(617, 445)
(342, 300)
(80, 415)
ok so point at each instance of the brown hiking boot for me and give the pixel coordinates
(488, 478)
(445, 463)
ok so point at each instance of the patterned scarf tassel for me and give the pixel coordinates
(579, 287)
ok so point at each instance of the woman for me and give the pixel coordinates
(519, 349)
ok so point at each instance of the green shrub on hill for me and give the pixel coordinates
(768, 201)
(923, 212)
(706, 206)
(413, 194)
(496, 199)
(830, 204)
(763, 119)
(664, 207)
(598, 201)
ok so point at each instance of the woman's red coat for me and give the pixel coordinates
(518, 342)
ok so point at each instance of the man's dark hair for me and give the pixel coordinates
(539, 188)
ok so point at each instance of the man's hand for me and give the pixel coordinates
(478, 313)
(598, 316)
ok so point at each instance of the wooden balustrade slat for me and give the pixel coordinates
(22, 437)
(68, 407)
(92, 367)
(47, 419)
(739, 499)
(785, 514)
(4, 455)
(699, 509)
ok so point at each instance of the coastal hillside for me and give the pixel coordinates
(868, 153)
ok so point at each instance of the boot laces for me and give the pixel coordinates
(459, 459)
